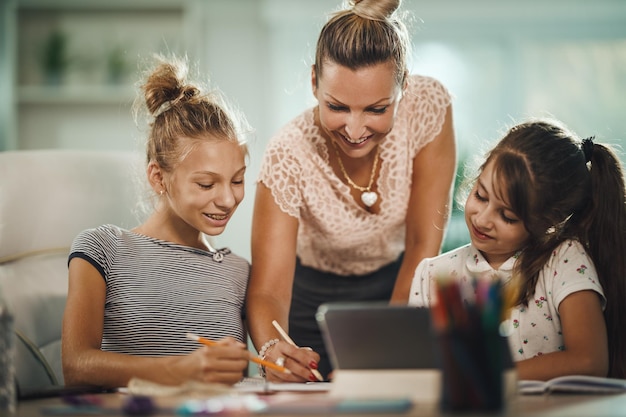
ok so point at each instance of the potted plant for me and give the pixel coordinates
(54, 57)
(117, 65)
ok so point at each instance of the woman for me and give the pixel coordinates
(352, 193)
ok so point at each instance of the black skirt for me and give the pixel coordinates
(311, 288)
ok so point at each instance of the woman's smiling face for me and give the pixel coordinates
(494, 228)
(357, 108)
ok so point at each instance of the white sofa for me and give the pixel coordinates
(46, 198)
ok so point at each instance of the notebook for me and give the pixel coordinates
(377, 335)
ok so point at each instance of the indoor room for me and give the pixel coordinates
(502, 62)
(70, 80)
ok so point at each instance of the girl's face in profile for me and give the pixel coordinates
(208, 185)
(357, 108)
(494, 228)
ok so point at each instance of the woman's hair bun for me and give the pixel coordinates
(375, 9)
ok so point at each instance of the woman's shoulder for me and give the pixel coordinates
(293, 131)
(293, 144)
(424, 86)
(423, 108)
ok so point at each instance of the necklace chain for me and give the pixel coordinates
(347, 177)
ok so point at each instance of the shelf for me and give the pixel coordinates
(101, 5)
(76, 94)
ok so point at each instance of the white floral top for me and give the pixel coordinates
(335, 234)
(536, 329)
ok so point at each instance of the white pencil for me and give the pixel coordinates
(289, 340)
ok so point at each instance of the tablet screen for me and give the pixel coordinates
(376, 335)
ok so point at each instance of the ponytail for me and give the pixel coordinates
(605, 231)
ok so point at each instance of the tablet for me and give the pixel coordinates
(377, 335)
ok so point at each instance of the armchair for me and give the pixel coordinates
(46, 198)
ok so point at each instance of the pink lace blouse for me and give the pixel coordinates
(335, 234)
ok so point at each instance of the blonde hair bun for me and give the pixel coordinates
(375, 9)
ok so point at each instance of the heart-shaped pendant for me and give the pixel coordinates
(369, 198)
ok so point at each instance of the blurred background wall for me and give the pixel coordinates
(68, 68)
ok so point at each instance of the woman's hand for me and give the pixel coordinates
(299, 360)
(223, 363)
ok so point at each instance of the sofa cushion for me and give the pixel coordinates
(46, 198)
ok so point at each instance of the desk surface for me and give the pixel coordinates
(554, 405)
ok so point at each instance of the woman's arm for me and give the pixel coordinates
(429, 208)
(585, 339)
(274, 235)
(85, 363)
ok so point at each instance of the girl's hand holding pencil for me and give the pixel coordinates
(223, 361)
(252, 357)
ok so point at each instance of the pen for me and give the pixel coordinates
(289, 340)
(253, 358)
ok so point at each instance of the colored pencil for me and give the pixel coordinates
(253, 357)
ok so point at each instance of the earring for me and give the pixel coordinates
(161, 192)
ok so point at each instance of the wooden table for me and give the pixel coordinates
(553, 405)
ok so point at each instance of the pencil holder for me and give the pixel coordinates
(472, 369)
(477, 371)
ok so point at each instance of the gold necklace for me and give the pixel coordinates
(368, 197)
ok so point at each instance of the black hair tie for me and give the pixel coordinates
(587, 147)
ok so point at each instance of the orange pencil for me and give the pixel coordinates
(253, 358)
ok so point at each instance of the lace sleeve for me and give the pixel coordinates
(280, 172)
(427, 102)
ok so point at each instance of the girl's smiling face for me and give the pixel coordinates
(494, 228)
(208, 185)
